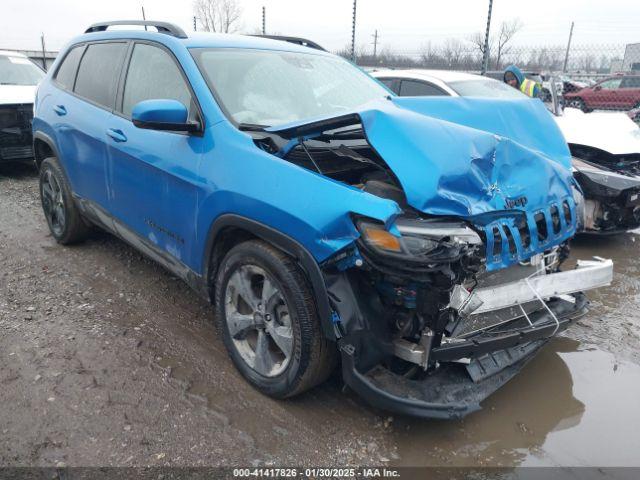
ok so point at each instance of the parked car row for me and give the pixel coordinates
(418, 242)
(605, 146)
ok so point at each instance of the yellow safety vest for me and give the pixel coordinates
(528, 86)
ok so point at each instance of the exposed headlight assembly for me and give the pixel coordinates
(418, 237)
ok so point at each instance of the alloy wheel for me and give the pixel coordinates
(257, 317)
(53, 203)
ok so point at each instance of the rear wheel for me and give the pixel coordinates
(267, 316)
(62, 214)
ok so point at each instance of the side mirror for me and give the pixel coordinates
(169, 115)
(597, 87)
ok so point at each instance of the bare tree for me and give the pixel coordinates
(478, 40)
(498, 44)
(453, 52)
(507, 31)
(221, 16)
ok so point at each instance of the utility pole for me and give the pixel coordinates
(195, 25)
(353, 34)
(566, 55)
(485, 56)
(375, 44)
(264, 20)
(44, 57)
(144, 17)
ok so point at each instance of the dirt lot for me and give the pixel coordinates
(106, 359)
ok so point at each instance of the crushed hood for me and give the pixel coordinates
(493, 162)
(462, 156)
(612, 132)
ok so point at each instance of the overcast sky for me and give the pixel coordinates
(403, 25)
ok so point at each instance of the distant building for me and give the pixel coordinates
(631, 60)
(36, 56)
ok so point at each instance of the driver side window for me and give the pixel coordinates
(152, 75)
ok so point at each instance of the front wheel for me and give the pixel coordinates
(267, 316)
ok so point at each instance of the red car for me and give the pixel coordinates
(614, 93)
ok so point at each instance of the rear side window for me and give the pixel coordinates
(391, 84)
(66, 73)
(409, 88)
(630, 82)
(98, 73)
(153, 74)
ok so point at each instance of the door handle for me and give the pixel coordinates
(117, 135)
(60, 110)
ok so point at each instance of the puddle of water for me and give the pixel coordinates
(570, 406)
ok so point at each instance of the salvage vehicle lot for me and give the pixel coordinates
(106, 359)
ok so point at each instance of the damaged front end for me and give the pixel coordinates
(437, 307)
(434, 339)
(611, 187)
(15, 132)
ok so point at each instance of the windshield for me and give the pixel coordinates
(265, 87)
(19, 71)
(485, 87)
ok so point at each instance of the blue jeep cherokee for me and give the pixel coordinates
(417, 241)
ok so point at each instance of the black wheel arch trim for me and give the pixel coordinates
(43, 137)
(284, 243)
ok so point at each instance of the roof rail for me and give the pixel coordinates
(162, 27)
(297, 40)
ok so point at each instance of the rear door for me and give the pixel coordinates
(82, 109)
(153, 174)
(605, 95)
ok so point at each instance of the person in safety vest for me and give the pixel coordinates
(514, 77)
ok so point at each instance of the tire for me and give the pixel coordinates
(63, 217)
(579, 104)
(274, 339)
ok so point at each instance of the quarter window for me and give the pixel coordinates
(66, 73)
(98, 72)
(153, 74)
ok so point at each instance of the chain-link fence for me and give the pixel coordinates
(589, 77)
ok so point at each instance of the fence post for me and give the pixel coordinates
(353, 34)
(566, 55)
(485, 57)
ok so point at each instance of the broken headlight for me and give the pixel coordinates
(417, 237)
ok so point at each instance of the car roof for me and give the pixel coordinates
(443, 75)
(199, 40)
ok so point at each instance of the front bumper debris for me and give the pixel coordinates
(588, 275)
(456, 388)
(460, 371)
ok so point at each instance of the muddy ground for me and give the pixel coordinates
(106, 359)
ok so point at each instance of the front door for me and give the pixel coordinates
(153, 174)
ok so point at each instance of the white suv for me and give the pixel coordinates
(19, 79)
